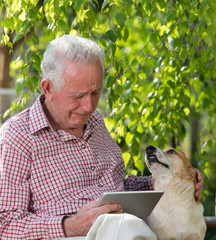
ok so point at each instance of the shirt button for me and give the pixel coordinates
(100, 185)
(92, 168)
(83, 146)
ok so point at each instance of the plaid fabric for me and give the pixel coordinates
(46, 174)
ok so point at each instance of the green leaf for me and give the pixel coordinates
(120, 18)
(127, 2)
(104, 5)
(177, 43)
(62, 24)
(36, 58)
(126, 34)
(110, 123)
(110, 81)
(35, 38)
(154, 39)
(111, 35)
(34, 82)
(126, 156)
(129, 138)
(26, 25)
(37, 67)
(19, 85)
(78, 4)
(207, 172)
(18, 26)
(26, 96)
(17, 37)
(30, 42)
(129, 22)
(118, 89)
(13, 106)
(139, 165)
(6, 113)
(183, 28)
(9, 23)
(32, 14)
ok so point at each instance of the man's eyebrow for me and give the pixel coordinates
(79, 94)
(99, 89)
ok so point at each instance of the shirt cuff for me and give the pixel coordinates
(151, 180)
(55, 228)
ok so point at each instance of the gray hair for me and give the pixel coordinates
(68, 48)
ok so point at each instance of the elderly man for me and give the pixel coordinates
(57, 157)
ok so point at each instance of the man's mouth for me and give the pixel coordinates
(81, 114)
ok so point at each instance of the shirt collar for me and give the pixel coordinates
(37, 117)
(92, 124)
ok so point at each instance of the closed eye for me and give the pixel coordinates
(171, 151)
(96, 92)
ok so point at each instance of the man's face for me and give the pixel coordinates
(71, 107)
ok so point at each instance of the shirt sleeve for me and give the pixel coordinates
(16, 218)
(141, 183)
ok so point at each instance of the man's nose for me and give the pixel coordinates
(87, 103)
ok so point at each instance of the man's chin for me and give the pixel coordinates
(78, 123)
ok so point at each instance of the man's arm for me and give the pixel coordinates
(17, 222)
(135, 183)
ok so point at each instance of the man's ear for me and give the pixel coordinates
(47, 88)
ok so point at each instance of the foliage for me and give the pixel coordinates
(160, 62)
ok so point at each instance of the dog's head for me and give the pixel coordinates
(169, 162)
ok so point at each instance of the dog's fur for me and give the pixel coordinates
(177, 215)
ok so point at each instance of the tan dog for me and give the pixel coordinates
(177, 215)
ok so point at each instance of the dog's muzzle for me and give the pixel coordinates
(152, 157)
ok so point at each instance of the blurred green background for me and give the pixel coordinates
(160, 79)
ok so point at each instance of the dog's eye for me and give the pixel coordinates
(171, 151)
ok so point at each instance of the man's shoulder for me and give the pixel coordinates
(15, 134)
(25, 121)
(16, 123)
(96, 116)
(95, 119)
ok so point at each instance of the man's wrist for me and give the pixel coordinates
(63, 225)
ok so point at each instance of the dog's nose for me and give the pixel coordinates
(150, 148)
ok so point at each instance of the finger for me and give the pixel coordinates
(198, 197)
(108, 208)
(93, 203)
(90, 203)
(198, 194)
(118, 212)
(198, 186)
(198, 174)
(88, 206)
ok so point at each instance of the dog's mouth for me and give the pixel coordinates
(152, 156)
(153, 159)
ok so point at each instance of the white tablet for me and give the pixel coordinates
(138, 203)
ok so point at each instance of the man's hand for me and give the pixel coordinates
(80, 223)
(199, 185)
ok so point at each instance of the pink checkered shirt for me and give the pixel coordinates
(47, 174)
